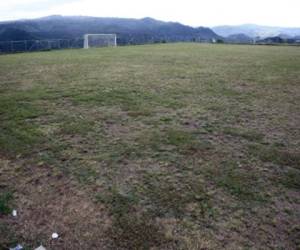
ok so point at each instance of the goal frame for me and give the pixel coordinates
(86, 44)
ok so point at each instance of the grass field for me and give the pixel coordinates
(175, 146)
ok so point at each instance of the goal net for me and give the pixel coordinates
(99, 40)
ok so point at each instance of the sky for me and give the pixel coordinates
(190, 12)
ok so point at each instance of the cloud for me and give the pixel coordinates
(16, 9)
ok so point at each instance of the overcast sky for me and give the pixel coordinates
(190, 12)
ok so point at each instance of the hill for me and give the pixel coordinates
(253, 30)
(278, 40)
(13, 34)
(129, 31)
(238, 38)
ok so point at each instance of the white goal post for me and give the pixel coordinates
(99, 40)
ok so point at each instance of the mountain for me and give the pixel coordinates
(253, 30)
(129, 31)
(238, 38)
(279, 40)
(272, 40)
(13, 34)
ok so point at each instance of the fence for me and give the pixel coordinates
(39, 45)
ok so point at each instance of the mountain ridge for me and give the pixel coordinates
(255, 30)
(129, 30)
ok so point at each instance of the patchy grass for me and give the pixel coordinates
(130, 229)
(291, 179)
(171, 197)
(240, 183)
(8, 237)
(276, 154)
(120, 204)
(176, 146)
(5, 199)
(245, 134)
(17, 133)
(132, 232)
(76, 126)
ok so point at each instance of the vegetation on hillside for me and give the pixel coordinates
(129, 30)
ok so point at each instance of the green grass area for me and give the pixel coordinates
(5, 199)
(176, 146)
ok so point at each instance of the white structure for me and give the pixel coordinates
(99, 40)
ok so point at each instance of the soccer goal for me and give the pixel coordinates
(99, 40)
